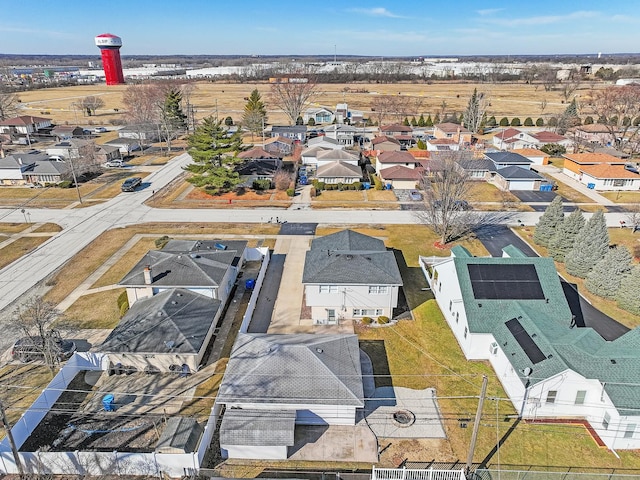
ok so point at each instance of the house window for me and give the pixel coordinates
(328, 289)
(465, 332)
(551, 396)
(580, 397)
(377, 289)
(367, 312)
(630, 430)
(457, 316)
(606, 420)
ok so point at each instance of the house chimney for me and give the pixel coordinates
(148, 277)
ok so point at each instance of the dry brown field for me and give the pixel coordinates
(228, 99)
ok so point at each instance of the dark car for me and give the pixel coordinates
(28, 349)
(130, 184)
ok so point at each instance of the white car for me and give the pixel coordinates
(114, 164)
(99, 130)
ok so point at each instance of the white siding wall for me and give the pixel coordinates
(348, 297)
(255, 452)
(600, 183)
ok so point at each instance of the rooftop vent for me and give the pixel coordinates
(319, 350)
(613, 362)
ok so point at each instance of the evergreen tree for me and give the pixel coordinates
(406, 122)
(607, 275)
(228, 121)
(474, 113)
(528, 122)
(311, 122)
(255, 113)
(172, 110)
(515, 122)
(492, 121)
(549, 221)
(590, 246)
(414, 122)
(562, 241)
(539, 122)
(421, 145)
(421, 121)
(428, 122)
(627, 296)
(588, 120)
(299, 121)
(569, 118)
(436, 119)
(504, 122)
(214, 157)
(553, 122)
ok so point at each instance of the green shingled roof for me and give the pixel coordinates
(549, 324)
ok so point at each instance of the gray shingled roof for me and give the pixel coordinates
(181, 435)
(508, 157)
(189, 246)
(518, 173)
(258, 427)
(477, 164)
(177, 269)
(175, 315)
(348, 240)
(327, 267)
(334, 155)
(339, 169)
(296, 369)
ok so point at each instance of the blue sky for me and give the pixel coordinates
(273, 27)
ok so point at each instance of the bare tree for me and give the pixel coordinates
(570, 84)
(90, 104)
(446, 186)
(543, 105)
(293, 96)
(8, 104)
(633, 215)
(548, 77)
(381, 107)
(620, 106)
(34, 319)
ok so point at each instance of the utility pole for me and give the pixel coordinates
(476, 424)
(12, 443)
(75, 180)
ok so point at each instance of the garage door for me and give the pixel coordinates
(515, 185)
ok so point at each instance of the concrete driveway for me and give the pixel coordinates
(337, 443)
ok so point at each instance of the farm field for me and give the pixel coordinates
(228, 99)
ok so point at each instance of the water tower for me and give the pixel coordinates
(109, 45)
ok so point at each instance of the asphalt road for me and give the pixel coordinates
(496, 237)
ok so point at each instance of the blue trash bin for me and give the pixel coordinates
(249, 284)
(107, 403)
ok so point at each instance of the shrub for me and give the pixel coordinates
(377, 184)
(291, 192)
(588, 120)
(123, 303)
(311, 122)
(162, 241)
(313, 192)
(539, 122)
(319, 186)
(553, 149)
(65, 184)
(261, 184)
(504, 122)
(356, 185)
(528, 122)
(367, 320)
(228, 121)
(382, 319)
(515, 122)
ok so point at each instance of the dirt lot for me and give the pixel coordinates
(508, 99)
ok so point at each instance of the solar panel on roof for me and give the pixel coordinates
(525, 341)
(505, 282)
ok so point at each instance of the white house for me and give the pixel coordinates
(349, 275)
(512, 312)
(339, 172)
(274, 384)
(24, 125)
(344, 134)
(319, 115)
(208, 267)
(329, 156)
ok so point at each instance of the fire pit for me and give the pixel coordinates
(403, 418)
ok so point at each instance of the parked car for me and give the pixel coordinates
(99, 130)
(130, 184)
(28, 349)
(415, 195)
(114, 164)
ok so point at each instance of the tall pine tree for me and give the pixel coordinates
(605, 278)
(590, 246)
(214, 156)
(549, 221)
(562, 241)
(627, 296)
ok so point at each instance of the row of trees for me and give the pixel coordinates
(583, 246)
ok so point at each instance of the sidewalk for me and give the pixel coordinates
(302, 199)
(576, 185)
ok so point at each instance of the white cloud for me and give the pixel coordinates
(375, 12)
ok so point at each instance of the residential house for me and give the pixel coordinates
(442, 144)
(574, 163)
(349, 275)
(257, 169)
(344, 134)
(508, 159)
(339, 172)
(126, 145)
(517, 178)
(145, 134)
(609, 177)
(293, 132)
(64, 132)
(86, 153)
(383, 143)
(595, 133)
(395, 129)
(259, 153)
(342, 112)
(24, 125)
(13, 168)
(478, 168)
(536, 156)
(48, 171)
(328, 156)
(163, 333)
(544, 137)
(276, 385)
(512, 312)
(401, 177)
(453, 131)
(512, 138)
(281, 146)
(309, 158)
(319, 115)
(208, 267)
(390, 159)
(325, 142)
